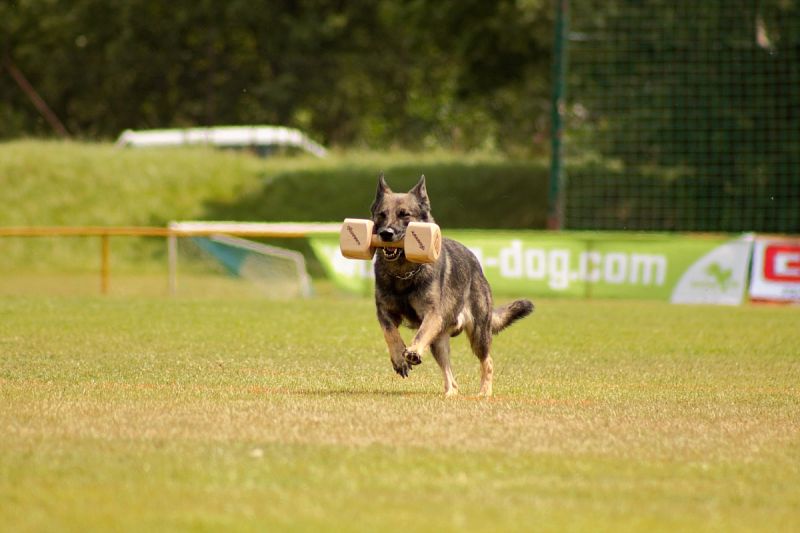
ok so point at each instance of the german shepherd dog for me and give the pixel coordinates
(439, 299)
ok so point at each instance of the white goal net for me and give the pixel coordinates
(209, 258)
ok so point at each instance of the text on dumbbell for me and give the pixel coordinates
(353, 234)
(419, 242)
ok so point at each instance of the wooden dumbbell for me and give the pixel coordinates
(422, 243)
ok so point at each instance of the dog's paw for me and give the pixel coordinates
(402, 368)
(412, 357)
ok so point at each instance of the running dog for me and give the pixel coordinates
(439, 299)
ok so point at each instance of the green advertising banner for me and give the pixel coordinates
(677, 268)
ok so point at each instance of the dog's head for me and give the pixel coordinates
(392, 212)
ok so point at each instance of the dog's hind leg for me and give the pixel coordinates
(480, 338)
(440, 348)
(487, 373)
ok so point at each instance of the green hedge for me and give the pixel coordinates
(463, 195)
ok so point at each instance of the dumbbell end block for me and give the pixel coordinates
(423, 242)
(355, 238)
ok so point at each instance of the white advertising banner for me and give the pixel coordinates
(719, 277)
(775, 274)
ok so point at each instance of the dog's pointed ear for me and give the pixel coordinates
(383, 188)
(421, 192)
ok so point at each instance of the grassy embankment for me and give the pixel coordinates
(52, 183)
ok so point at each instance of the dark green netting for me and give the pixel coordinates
(683, 115)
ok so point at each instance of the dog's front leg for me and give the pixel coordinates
(430, 328)
(394, 342)
(396, 350)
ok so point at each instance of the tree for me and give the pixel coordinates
(350, 72)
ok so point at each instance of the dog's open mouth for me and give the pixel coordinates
(392, 254)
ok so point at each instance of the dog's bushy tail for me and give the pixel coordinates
(504, 316)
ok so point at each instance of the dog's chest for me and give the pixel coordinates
(412, 312)
(406, 306)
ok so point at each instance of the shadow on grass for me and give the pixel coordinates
(346, 392)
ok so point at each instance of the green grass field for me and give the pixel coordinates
(146, 413)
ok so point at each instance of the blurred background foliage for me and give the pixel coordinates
(373, 74)
(680, 115)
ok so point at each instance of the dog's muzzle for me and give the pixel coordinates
(388, 234)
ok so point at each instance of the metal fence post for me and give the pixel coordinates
(555, 215)
(105, 253)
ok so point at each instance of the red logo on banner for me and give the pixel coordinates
(782, 262)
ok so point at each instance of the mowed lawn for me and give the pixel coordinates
(143, 414)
